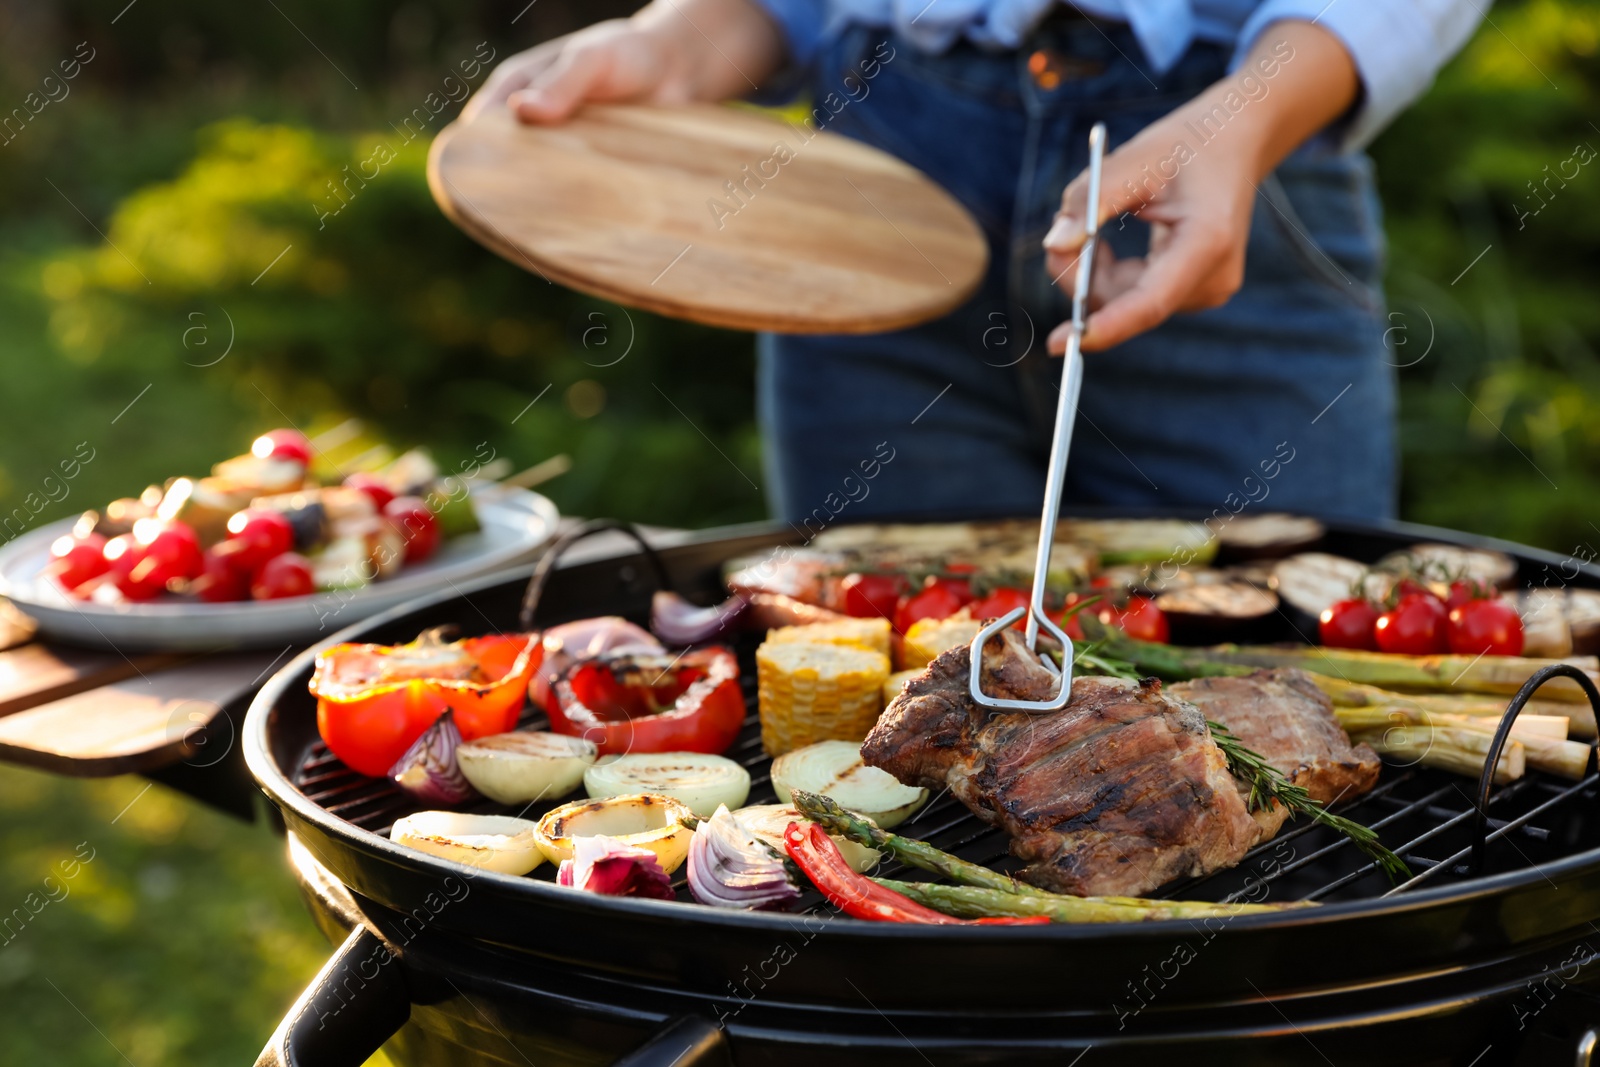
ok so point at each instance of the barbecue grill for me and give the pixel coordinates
(1487, 955)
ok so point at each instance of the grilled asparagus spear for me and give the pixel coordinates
(836, 820)
(1459, 674)
(975, 902)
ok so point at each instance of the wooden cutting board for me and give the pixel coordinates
(716, 214)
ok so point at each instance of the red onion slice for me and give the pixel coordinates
(678, 622)
(728, 868)
(604, 865)
(429, 771)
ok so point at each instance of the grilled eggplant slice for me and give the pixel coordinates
(1583, 616)
(1142, 540)
(1446, 562)
(1269, 536)
(1211, 612)
(1311, 581)
(1546, 626)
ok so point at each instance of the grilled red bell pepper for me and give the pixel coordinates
(814, 852)
(373, 701)
(649, 702)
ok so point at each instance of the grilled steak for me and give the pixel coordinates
(1282, 715)
(1118, 793)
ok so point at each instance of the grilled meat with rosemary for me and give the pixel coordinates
(1282, 715)
(1122, 791)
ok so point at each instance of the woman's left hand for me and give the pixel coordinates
(1193, 178)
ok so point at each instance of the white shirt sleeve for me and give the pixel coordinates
(1397, 45)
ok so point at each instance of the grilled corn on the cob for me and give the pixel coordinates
(929, 637)
(817, 692)
(870, 634)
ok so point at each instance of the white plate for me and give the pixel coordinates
(516, 524)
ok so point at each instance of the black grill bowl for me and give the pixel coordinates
(488, 968)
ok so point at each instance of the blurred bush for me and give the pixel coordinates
(1501, 417)
(134, 245)
(306, 237)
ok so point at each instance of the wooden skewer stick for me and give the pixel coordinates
(539, 473)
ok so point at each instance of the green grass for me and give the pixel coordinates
(182, 941)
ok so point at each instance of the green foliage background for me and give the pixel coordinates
(199, 143)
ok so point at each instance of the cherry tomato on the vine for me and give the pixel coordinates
(1140, 619)
(871, 596)
(1485, 626)
(934, 601)
(1416, 626)
(1349, 624)
(1000, 602)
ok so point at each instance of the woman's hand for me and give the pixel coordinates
(670, 52)
(1193, 176)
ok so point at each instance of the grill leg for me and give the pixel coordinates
(351, 1007)
(688, 1041)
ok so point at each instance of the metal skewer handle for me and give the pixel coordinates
(1066, 417)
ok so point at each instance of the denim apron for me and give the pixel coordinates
(1282, 398)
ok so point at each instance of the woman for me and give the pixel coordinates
(1237, 340)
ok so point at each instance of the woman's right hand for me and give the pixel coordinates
(670, 52)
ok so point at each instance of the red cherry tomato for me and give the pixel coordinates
(1485, 626)
(1348, 624)
(1463, 590)
(222, 579)
(370, 484)
(1000, 602)
(1141, 619)
(75, 560)
(872, 596)
(417, 525)
(262, 534)
(290, 445)
(1410, 586)
(933, 602)
(172, 553)
(960, 588)
(284, 575)
(1415, 626)
(125, 553)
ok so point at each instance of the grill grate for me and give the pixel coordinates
(1425, 816)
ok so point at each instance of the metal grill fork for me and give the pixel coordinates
(1066, 416)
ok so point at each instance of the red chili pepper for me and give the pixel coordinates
(814, 852)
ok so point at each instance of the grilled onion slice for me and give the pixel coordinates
(644, 820)
(488, 842)
(525, 765)
(699, 781)
(766, 822)
(834, 769)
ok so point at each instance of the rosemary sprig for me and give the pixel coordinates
(1089, 660)
(1268, 786)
